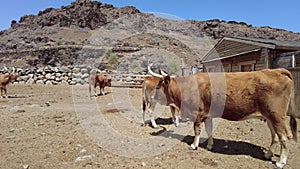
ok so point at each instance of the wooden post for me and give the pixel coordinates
(267, 58)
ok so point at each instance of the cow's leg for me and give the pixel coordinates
(95, 91)
(4, 93)
(175, 118)
(1, 93)
(150, 110)
(101, 90)
(144, 121)
(90, 88)
(280, 129)
(274, 141)
(144, 106)
(197, 130)
(209, 127)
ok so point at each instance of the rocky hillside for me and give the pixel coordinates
(120, 34)
(218, 29)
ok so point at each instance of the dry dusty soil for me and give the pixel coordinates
(62, 127)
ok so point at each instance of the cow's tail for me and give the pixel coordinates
(144, 106)
(292, 113)
(90, 86)
(292, 105)
(144, 95)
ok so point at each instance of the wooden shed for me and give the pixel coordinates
(241, 54)
(249, 54)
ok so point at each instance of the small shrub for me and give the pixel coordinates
(173, 67)
(135, 67)
(58, 42)
(112, 58)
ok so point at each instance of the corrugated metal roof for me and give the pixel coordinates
(233, 46)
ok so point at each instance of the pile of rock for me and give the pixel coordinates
(72, 75)
(54, 75)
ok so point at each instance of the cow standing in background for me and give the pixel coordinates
(98, 80)
(148, 89)
(265, 94)
(5, 79)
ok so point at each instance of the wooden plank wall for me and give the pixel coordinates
(296, 76)
(233, 63)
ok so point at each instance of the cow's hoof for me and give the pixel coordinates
(143, 124)
(279, 165)
(176, 124)
(268, 155)
(209, 147)
(192, 147)
(155, 126)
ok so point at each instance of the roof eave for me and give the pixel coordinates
(230, 56)
(251, 42)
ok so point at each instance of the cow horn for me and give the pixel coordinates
(152, 73)
(163, 73)
(5, 68)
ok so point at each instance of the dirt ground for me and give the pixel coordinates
(62, 127)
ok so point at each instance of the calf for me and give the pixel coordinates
(234, 96)
(5, 79)
(98, 80)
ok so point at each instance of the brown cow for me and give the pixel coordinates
(98, 80)
(148, 89)
(261, 94)
(5, 79)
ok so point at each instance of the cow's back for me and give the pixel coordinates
(252, 92)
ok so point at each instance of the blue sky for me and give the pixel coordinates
(274, 13)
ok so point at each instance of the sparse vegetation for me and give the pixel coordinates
(112, 58)
(173, 67)
(135, 67)
(58, 42)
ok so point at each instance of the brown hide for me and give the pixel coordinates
(236, 96)
(240, 94)
(148, 87)
(5, 79)
(98, 80)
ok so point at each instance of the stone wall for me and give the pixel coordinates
(72, 75)
(53, 75)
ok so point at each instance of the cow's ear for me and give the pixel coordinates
(167, 80)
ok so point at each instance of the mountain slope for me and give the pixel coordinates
(125, 31)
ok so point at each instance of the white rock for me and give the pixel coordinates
(48, 82)
(83, 158)
(10, 137)
(25, 166)
(48, 76)
(247, 141)
(30, 81)
(78, 145)
(83, 151)
(47, 103)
